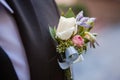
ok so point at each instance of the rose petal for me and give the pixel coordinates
(66, 27)
(64, 35)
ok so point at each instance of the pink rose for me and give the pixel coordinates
(78, 40)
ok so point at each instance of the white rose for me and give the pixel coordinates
(66, 27)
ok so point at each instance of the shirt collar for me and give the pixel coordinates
(5, 4)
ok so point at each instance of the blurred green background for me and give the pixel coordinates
(76, 8)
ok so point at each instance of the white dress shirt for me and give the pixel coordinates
(11, 43)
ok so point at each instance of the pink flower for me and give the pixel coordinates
(78, 41)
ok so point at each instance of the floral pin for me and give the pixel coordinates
(72, 37)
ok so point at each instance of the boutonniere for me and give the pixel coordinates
(72, 37)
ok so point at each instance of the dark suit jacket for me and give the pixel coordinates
(33, 18)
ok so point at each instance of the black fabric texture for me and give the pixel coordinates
(34, 18)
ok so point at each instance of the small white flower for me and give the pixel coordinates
(90, 36)
(66, 27)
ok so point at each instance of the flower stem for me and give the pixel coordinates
(68, 74)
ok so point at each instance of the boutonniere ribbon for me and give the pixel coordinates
(73, 37)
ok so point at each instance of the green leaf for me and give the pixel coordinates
(81, 30)
(52, 32)
(92, 25)
(69, 13)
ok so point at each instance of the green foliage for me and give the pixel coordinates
(63, 45)
(92, 25)
(79, 49)
(68, 74)
(69, 13)
(81, 30)
(80, 7)
(76, 9)
(52, 32)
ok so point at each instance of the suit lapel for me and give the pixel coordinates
(28, 26)
(33, 18)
